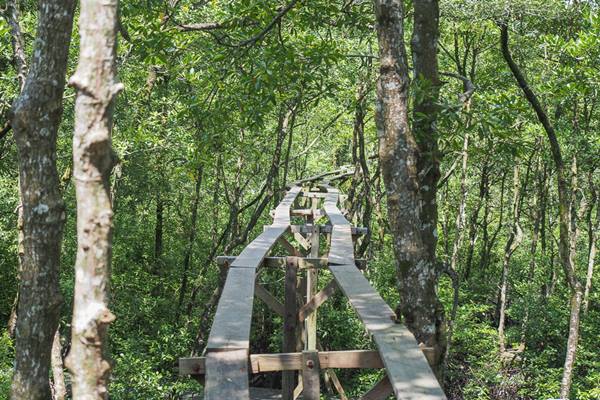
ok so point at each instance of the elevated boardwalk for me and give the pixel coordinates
(228, 361)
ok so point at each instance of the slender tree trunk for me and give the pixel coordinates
(59, 388)
(93, 158)
(158, 234)
(187, 259)
(36, 116)
(539, 207)
(461, 216)
(514, 240)
(483, 187)
(409, 163)
(565, 248)
(593, 228)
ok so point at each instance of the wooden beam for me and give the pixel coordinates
(270, 300)
(227, 375)
(317, 300)
(280, 262)
(292, 361)
(406, 366)
(289, 327)
(310, 375)
(323, 229)
(255, 252)
(303, 212)
(381, 391)
(311, 289)
(231, 325)
(288, 246)
(301, 240)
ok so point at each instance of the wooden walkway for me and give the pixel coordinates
(228, 362)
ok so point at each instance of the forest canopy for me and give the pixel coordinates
(160, 135)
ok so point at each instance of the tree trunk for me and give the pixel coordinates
(483, 187)
(539, 207)
(565, 249)
(514, 240)
(158, 234)
(96, 84)
(187, 259)
(593, 228)
(409, 164)
(461, 216)
(58, 376)
(36, 116)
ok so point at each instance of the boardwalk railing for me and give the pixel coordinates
(228, 361)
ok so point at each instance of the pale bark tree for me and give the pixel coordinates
(59, 389)
(36, 116)
(515, 237)
(97, 86)
(409, 163)
(593, 229)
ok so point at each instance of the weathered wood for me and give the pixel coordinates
(346, 359)
(270, 300)
(301, 240)
(375, 313)
(381, 391)
(282, 212)
(406, 366)
(231, 326)
(317, 300)
(253, 254)
(288, 246)
(341, 248)
(311, 288)
(323, 229)
(304, 212)
(280, 262)
(337, 384)
(310, 375)
(308, 194)
(227, 375)
(289, 327)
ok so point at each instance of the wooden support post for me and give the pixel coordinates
(289, 326)
(311, 284)
(381, 391)
(310, 375)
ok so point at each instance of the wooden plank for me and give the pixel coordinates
(345, 359)
(253, 254)
(337, 384)
(270, 300)
(227, 375)
(341, 250)
(317, 300)
(375, 313)
(308, 194)
(310, 375)
(231, 326)
(288, 247)
(305, 212)
(323, 229)
(311, 289)
(301, 240)
(406, 366)
(289, 327)
(381, 391)
(282, 212)
(280, 262)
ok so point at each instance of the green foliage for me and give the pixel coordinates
(201, 100)
(6, 364)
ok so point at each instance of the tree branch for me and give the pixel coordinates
(253, 40)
